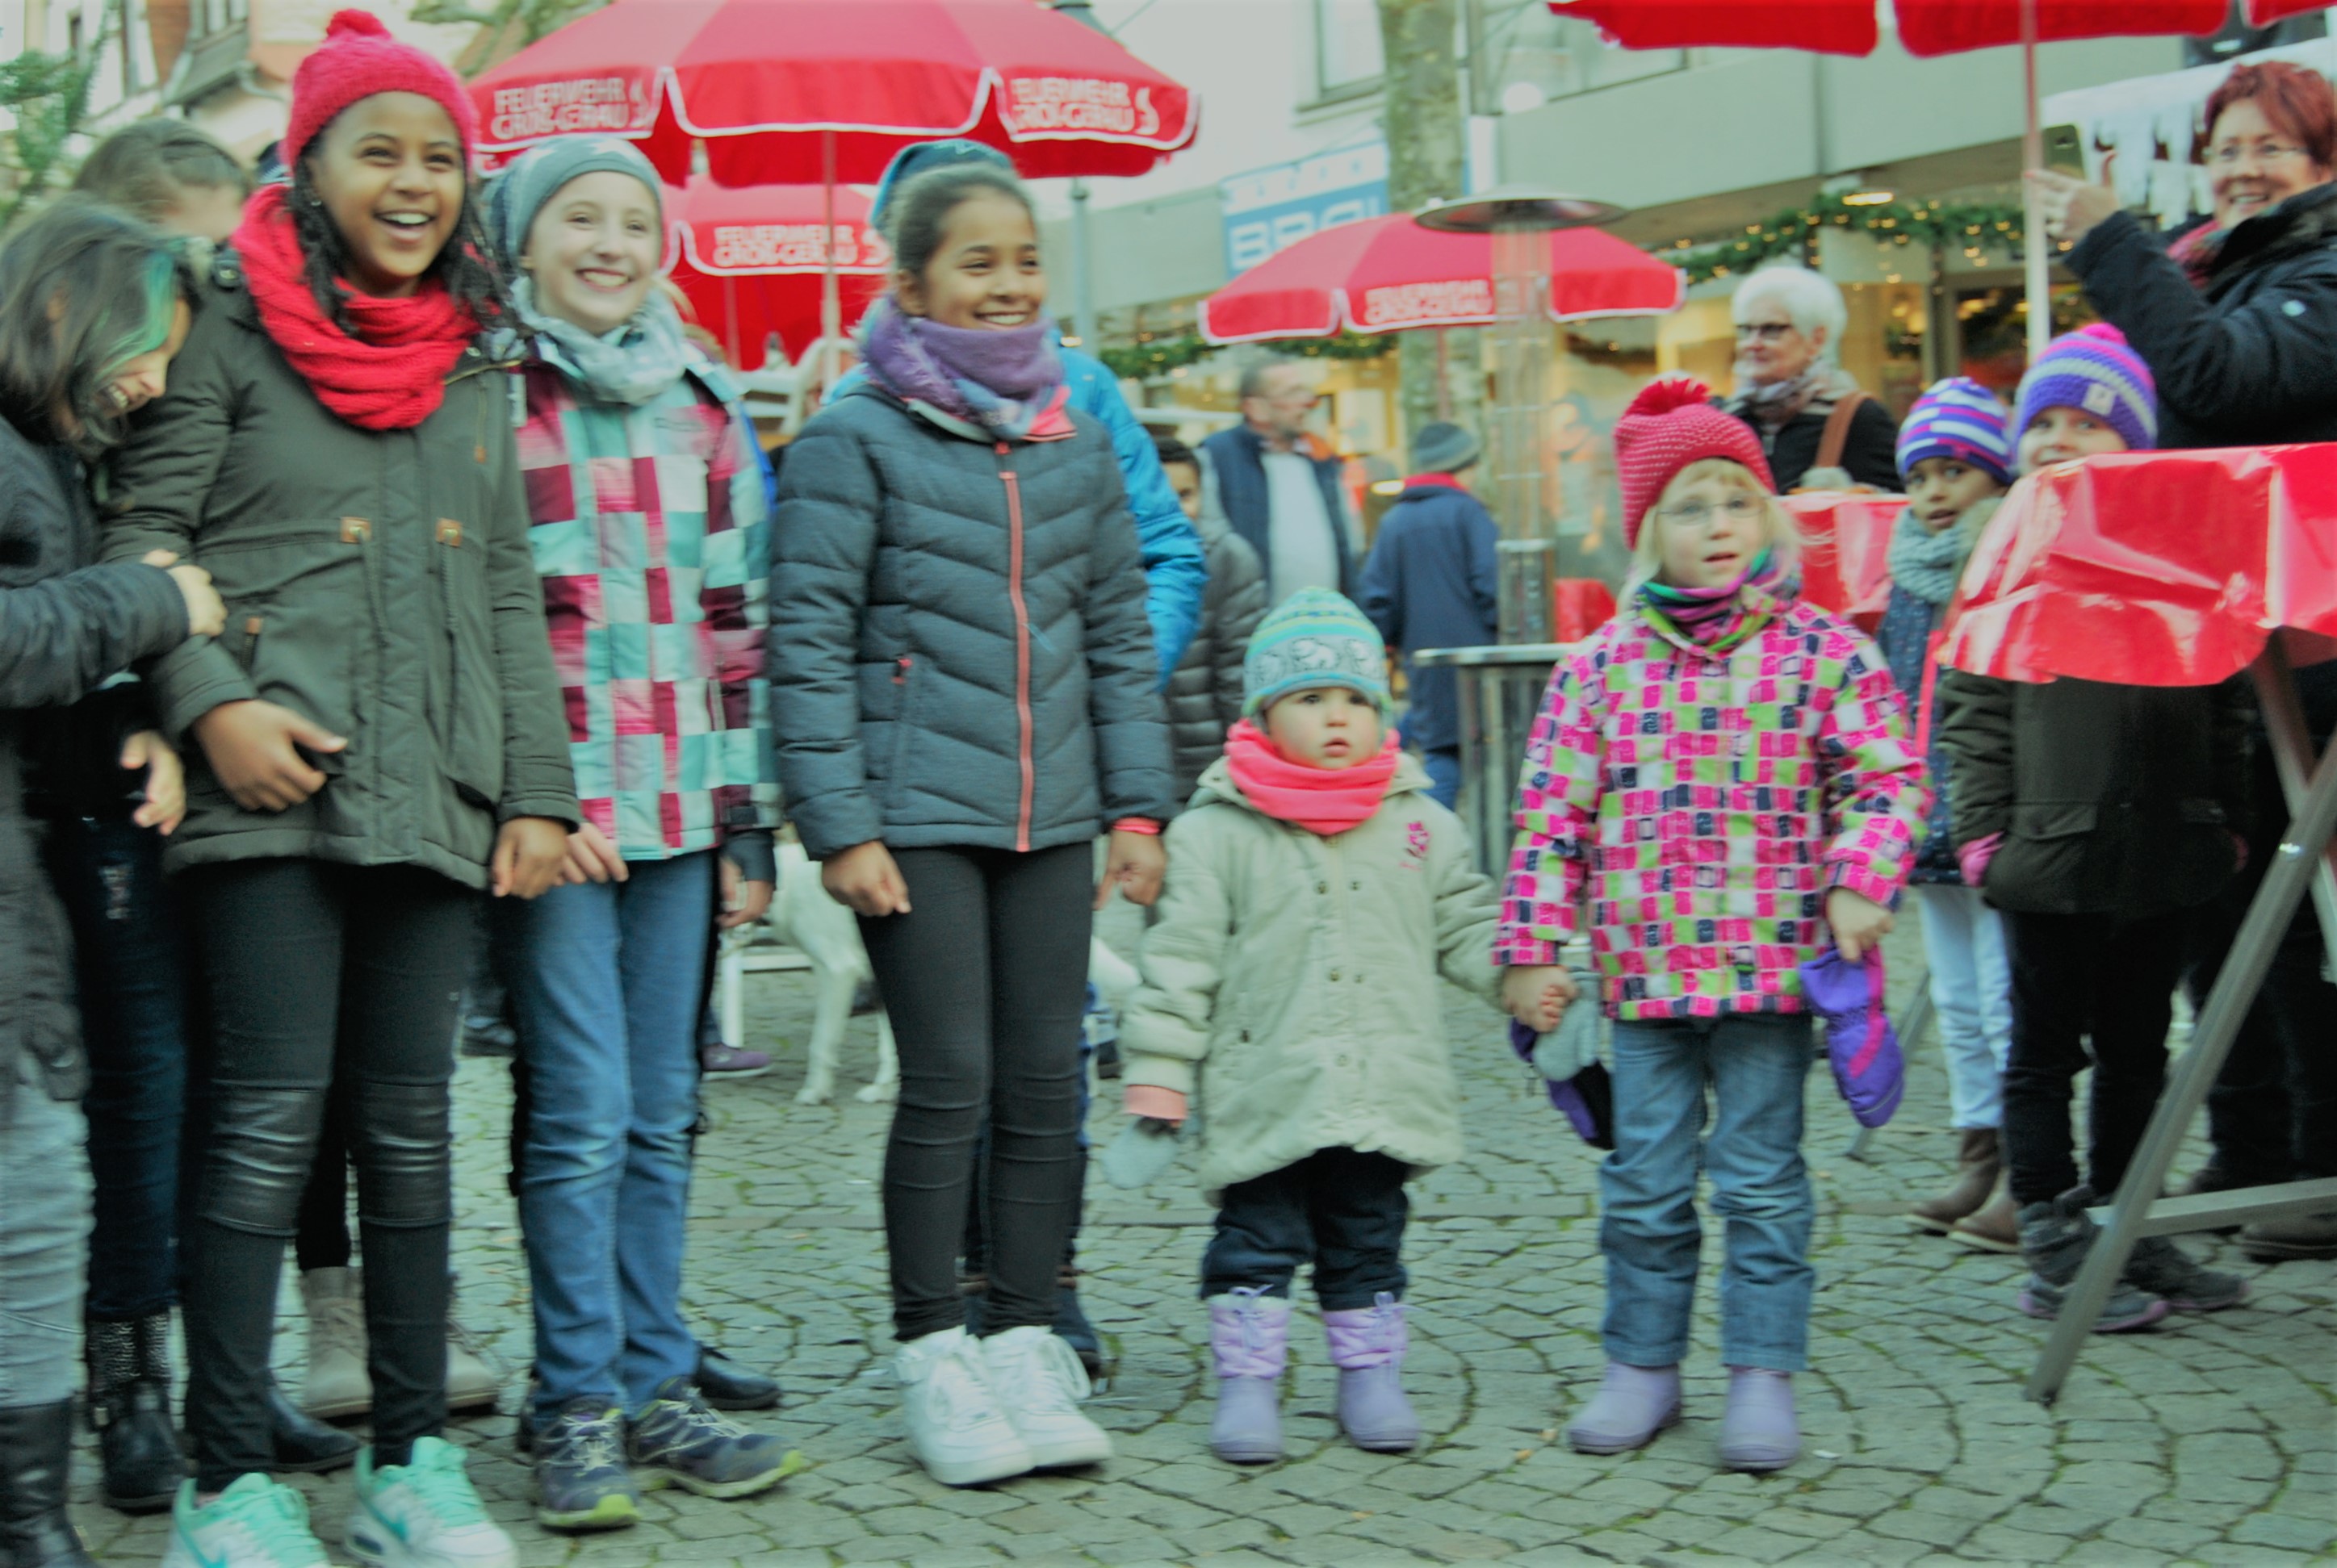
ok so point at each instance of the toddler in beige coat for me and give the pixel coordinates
(1315, 894)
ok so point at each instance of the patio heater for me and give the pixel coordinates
(1521, 218)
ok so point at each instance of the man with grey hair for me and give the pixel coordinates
(1819, 431)
(1268, 483)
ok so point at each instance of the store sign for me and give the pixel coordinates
(1271, 210)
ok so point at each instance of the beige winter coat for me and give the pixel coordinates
(1290, 985)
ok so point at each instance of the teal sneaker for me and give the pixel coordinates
(423, 1514)
(678, 1441)
(254, 1523)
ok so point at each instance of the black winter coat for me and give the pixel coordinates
(65, 625)
(2250, 360)
(1205, 690)
(958, 650)
(1870, 449)
(2112, 799)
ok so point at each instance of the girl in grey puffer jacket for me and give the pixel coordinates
(964, 688)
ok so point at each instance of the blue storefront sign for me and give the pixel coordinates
(1268, 209)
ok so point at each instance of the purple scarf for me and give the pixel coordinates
(1005, 384)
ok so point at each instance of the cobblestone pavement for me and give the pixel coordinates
(2214, 1442)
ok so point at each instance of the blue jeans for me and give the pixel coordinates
(44, 1240)
(1648, 1226)
(131, 965)
(1339, 1209)
(604, 988)
(1444, 776)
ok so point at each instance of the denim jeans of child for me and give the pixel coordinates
(43, 1242)
(1338, 1209)
(604, 988)
(1971, 993)
(1753, 1067)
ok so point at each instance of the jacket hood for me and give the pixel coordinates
(1217, 784)
(2305, 221)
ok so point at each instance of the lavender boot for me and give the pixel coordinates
(1632, 1404)
(1249, 1333)
(1367, 1345)
(1757, 1431)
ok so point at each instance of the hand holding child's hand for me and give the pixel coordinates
(1858, 923)
(1151, 1100)
(1134, 863)
(1538, 994)
(864, 879)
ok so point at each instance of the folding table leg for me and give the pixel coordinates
(2301, 851)
(2292, 755)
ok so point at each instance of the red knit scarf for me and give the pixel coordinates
(390, 375)
(1321, 800)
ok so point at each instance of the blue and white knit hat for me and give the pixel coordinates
(2093, 369)
(1960, 420)
(1313, 637)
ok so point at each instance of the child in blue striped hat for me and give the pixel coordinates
(1955, 459)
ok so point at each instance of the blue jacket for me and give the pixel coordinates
(1175, 570)
(1431, 582)
(1905, 636)
(1238, 463)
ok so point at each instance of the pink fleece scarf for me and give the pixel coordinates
(1325, 801)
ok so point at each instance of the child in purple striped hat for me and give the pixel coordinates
(1955, 460)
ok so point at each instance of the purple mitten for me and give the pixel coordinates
(1861, 1043)
(1586, 1099)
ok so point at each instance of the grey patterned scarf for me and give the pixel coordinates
(1927, 564)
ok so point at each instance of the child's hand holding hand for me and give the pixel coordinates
(1150, 1100)
(1134, 863)
(1858, 923)
(1537, 994)
(864, 879)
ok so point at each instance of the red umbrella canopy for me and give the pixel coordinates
(1926, 27)
(764, 82)
(1953, 26)
(2265, 13)
(749, 259)
(1387, 274)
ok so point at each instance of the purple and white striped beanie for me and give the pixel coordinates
(2093, 369)
(1960, 420)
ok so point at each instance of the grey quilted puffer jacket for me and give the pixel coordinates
(959, 652)
(1205, 690)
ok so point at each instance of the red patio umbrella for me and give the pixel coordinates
(813, 91)
(1388, 274)
(751, 262)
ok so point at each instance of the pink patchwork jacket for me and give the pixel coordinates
(1710, 797)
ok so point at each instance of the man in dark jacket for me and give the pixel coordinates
(1431, 582)
(1272, 485)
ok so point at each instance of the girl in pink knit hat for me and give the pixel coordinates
(1721, 785)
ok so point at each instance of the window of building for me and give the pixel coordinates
(1347, 45)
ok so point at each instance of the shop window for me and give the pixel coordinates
(1347, 56)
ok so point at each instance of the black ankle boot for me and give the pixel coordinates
(302, 1442)
(130, 1411)
(725, 1385)
(36, 1452)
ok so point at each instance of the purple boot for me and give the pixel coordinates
(1367, 1345)
(1759, 1431)
(1249, 1333)
(1632, 1404)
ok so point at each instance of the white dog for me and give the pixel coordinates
(804, 917)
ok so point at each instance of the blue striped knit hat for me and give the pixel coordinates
(1960, 420)
(2093, 369)
(1313, 637)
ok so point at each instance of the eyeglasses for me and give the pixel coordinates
(2228, 154)
(1736, 509)
(1763, 331)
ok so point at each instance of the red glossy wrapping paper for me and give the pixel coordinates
(2154, 568)
(1846, 550)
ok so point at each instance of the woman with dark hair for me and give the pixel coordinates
(378, 739)
(174, 175)
(2238, 322)
(93, 307)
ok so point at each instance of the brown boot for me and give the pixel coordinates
(1977, 1164)
(1995, 1229)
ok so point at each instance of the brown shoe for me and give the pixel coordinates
(1995, 1229)
(1979, 1163)
(2297, 1236)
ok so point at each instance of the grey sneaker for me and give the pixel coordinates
(2160, 1268)
(2055, 1237)
(581, 1479)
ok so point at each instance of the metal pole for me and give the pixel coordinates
(2292, 755)
(2035, 248)
(1083, 318)
(2234, 992)
(831, 297)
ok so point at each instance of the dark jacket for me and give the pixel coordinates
(1205, 690)
(1237, 469)
(2251, 360)
(1434, 581)
(959, 651)
(378, 583)
(1870, 449)
(65, 625)
(2112, 799)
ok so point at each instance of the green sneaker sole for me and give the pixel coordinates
(611, 1512)
(655, 1477)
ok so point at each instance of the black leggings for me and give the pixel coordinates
(983, 979)
(322, 983)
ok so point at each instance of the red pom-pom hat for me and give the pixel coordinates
(357, 59)
(1670, 424)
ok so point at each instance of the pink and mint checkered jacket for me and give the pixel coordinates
(1709, 798)
(651, 532)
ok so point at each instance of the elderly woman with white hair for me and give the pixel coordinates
(1818, 428)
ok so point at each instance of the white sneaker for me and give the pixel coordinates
(423, 1513)
(1040, 1383)
(254, 1523)
(956, 1428)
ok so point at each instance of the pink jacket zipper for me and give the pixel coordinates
(1022, 643)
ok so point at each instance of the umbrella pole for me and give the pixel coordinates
(831, 303)
(2035, 248)
(1444, 373)
(730, 321)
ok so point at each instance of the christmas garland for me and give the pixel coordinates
(1968, 227)
(1160, 355)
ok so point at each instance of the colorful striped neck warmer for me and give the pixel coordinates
(1720, 618)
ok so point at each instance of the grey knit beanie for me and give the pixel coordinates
(1442, 448)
